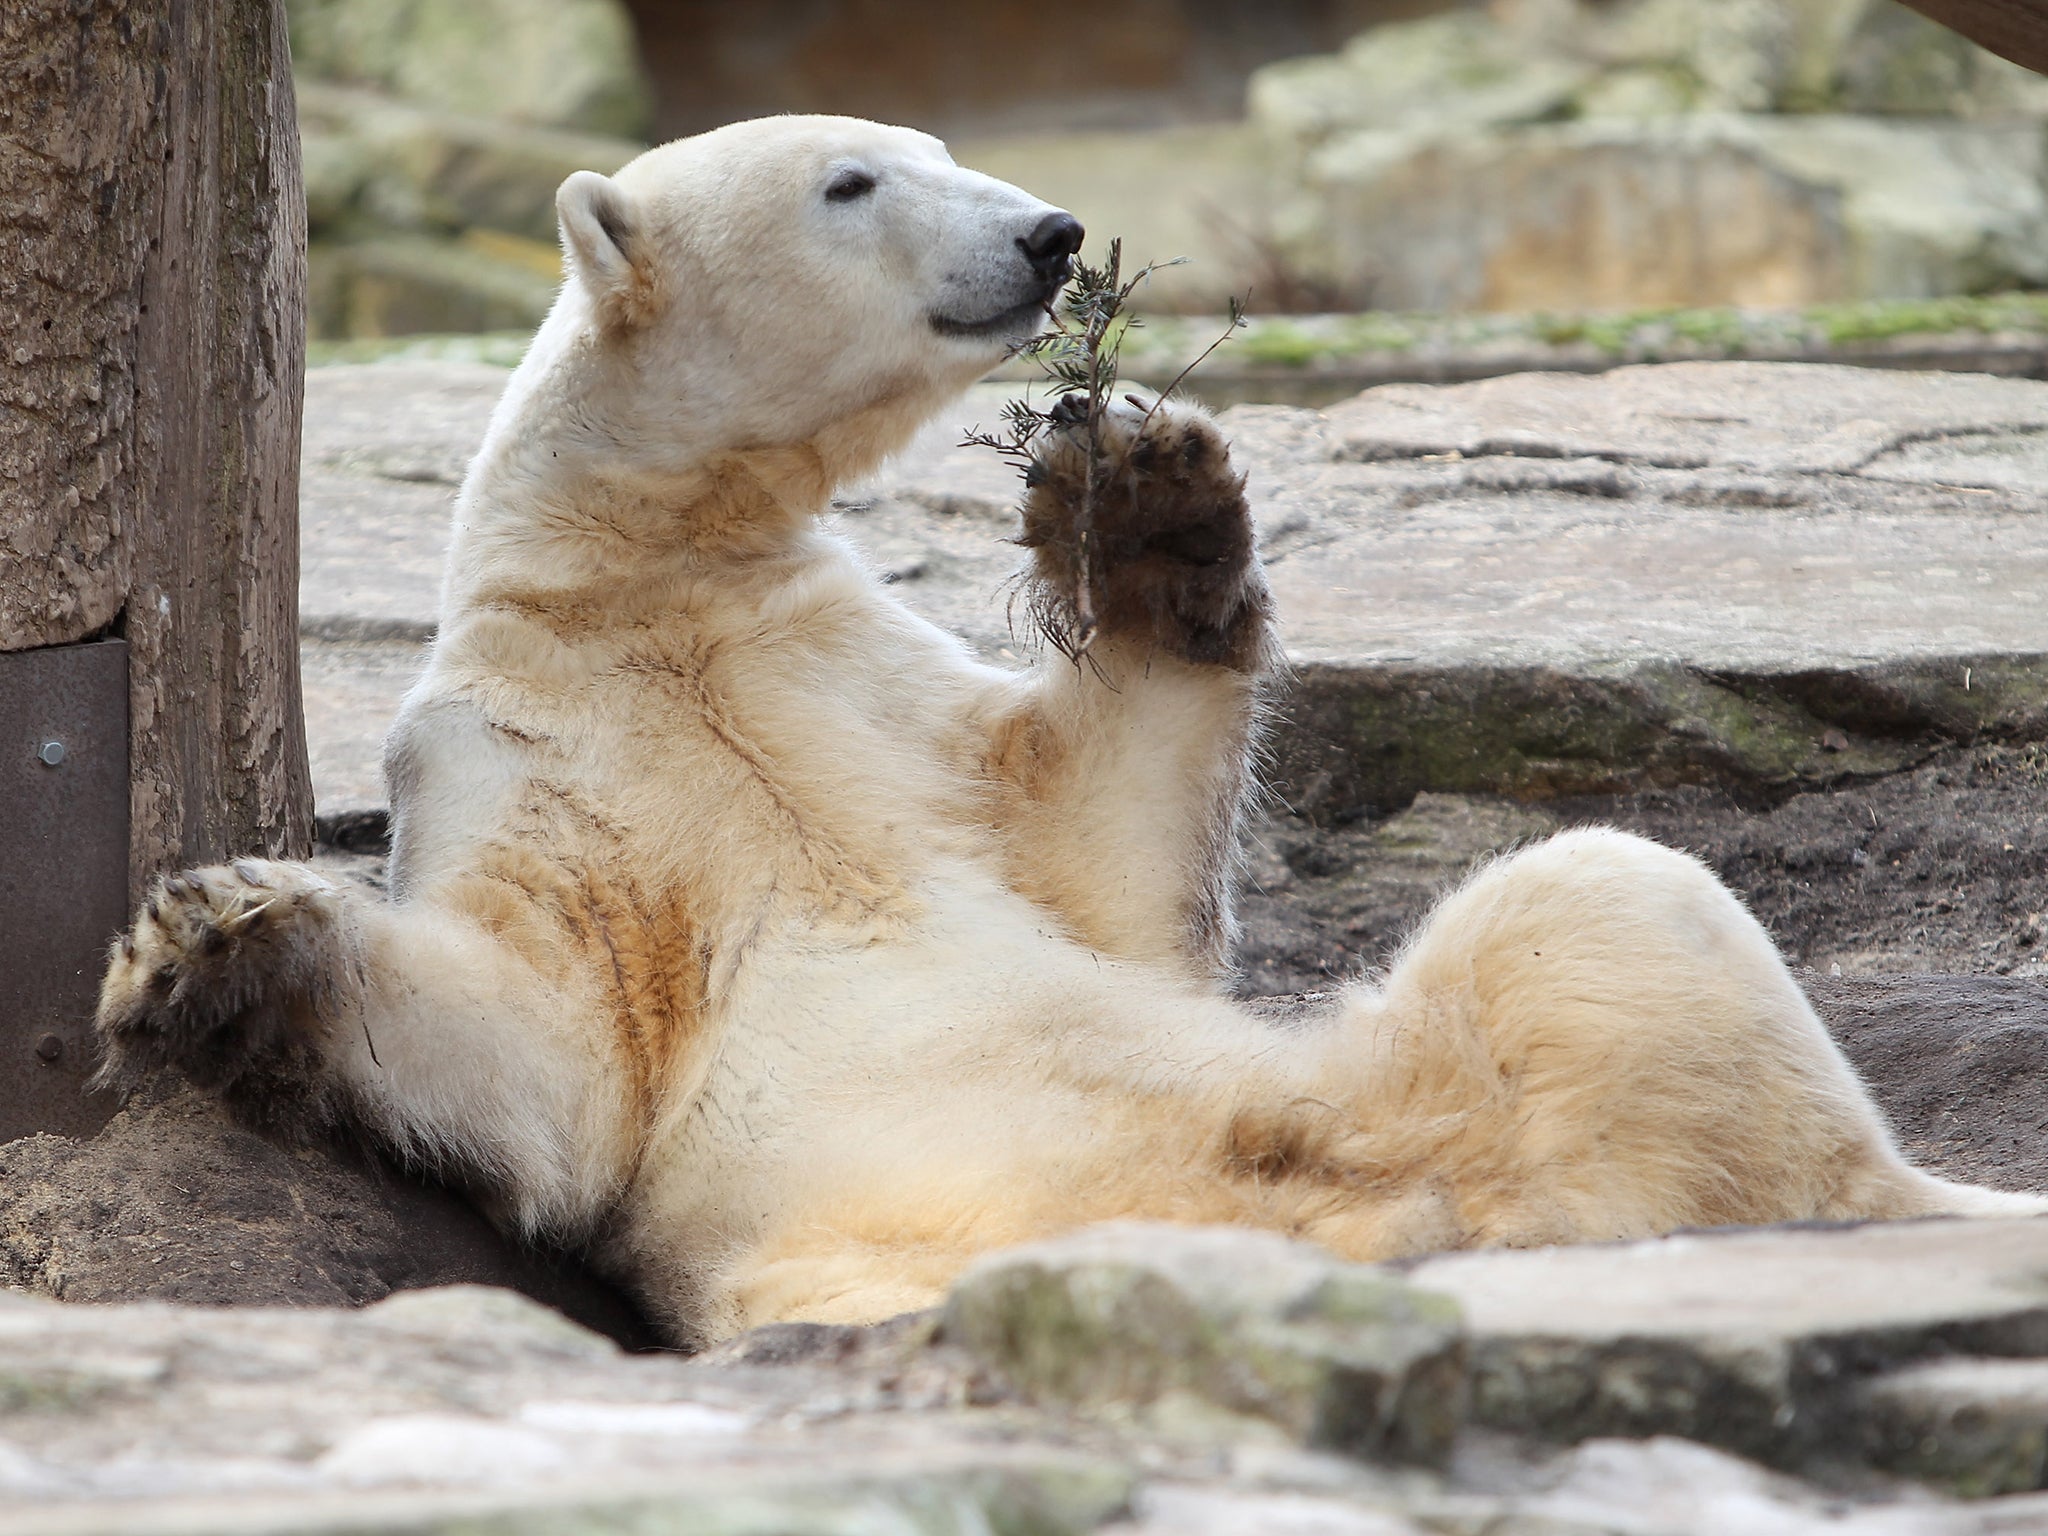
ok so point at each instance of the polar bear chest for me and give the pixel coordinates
(801, 761)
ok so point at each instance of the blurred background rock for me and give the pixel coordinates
(1529, 155)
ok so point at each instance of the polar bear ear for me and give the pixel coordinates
(601, 233)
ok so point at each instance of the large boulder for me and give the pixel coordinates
(1618, 212)
(375, 164)
(1656, 152)
(1527, 61)
(430, 220)
(1202, 1326)
(555, 63)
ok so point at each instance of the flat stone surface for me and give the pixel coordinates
(352, 692)
(384, 447)
(1539, 584)
(1751, 1340)
(1988, 1279)
(1737, 516)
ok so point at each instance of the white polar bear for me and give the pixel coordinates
(748, 931)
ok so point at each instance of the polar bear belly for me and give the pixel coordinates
(829, 1052)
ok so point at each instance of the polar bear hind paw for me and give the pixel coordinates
(1172, 550)
(226, 976)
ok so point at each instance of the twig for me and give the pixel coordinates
(1079, 355)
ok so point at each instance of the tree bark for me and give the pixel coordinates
(2012, 29)
(152, 302)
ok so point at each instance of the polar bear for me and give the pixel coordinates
(750, 932)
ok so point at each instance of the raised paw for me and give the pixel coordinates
(229, 974)
(1158, 541)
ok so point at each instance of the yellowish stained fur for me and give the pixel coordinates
(748, 929)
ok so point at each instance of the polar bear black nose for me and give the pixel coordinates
(1051, 246)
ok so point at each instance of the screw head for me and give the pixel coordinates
(49, 1048)
(50, 753)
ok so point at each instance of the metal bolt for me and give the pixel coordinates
(49, 1048)
(50, 753)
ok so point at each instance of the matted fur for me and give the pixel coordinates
(747, 929)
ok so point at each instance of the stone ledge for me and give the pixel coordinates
(1176, 1323)
(1365, 736)
(1757, 1341)
(1030, 1495)
(1753, 575)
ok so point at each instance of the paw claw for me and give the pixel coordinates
(219, 978)
(249, 918)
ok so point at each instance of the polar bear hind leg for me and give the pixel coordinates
(1593, 1039)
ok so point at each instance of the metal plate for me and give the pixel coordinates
(63, 874)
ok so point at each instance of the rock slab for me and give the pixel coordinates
(470, 1410)
(1756, 1341)
(1159, 1319)
(1977, 1427)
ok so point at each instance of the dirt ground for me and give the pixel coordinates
(1959, 1064)
(174, 1202)
(1940, 869)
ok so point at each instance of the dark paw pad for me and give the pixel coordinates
(1160, 533)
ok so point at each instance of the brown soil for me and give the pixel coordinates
(173, 1202)
(1941, 869)
(1958, 1063)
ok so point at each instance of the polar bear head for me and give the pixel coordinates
(765, 284)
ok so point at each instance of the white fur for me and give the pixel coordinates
(749, 929)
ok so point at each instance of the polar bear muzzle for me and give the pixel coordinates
(1048, 253)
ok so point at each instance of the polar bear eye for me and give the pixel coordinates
(848, 185)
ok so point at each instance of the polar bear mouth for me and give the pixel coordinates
(1019, 319)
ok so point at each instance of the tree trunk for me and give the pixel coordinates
(152, 301)
(2012, 29)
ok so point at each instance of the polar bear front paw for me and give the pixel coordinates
(1169, 552)
(226, 976)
